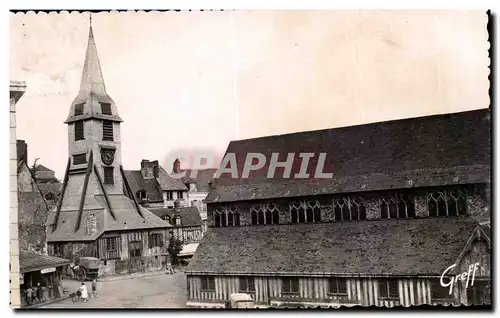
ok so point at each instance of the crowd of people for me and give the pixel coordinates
(34, 294)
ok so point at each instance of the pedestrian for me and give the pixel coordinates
(29, 295)
(94, 287)
(39, 292)
(84, 291)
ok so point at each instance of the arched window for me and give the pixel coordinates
(233, 216)
(305, 211)
(349, 209)
(217, 217)
(265, 214)
(447, 203)
(226, 217)
(388, 207)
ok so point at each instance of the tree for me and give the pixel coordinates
(174, 248)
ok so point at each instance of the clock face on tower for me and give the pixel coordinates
(107, 156)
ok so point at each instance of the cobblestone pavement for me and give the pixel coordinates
(160, 291)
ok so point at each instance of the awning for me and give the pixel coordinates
(31, 262)
(189, 249)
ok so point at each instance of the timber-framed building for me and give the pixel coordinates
(97, 214)
(408, 199)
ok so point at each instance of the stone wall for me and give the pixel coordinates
(32, 218)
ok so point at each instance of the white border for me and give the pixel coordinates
(186, 4)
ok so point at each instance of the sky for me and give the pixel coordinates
(190, 82)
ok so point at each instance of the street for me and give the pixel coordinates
(160, 291)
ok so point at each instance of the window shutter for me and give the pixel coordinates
(79, 130)
(107, 130)
(79, 159)
(251, 284)
(286, 285)
(108, 175)
(295, 285)
(106, 108)
(79, 109)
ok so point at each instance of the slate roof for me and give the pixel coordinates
(123, 208)
(429, 151)
(30, 203)
(168, 183)
(385, 247)
(30, 262)
(54, 187)
(190, 216)
(202, 179)
(43, 168)
(154, 187)
(137, 182)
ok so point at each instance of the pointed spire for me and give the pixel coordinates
(92, 89)
(92, 79)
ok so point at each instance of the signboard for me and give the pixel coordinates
(48, 270)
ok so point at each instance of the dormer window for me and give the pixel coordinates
(106, 108)
(107, 130)
(170, 195)
(79, 132)
(79, 109)
(142, 195)
(177, 220)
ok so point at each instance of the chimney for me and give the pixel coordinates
(144, 163)
(22, 151)
(156, 168)
(147, 169)
(177, 204)
(177, 166)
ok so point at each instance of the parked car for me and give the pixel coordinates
(240, 300)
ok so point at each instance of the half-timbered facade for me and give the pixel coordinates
(186, 223)
(97, 214)
(407, 200)
(153, 187)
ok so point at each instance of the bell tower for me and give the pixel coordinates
(95, 196)
(94, 125)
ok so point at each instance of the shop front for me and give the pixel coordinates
(41, 277)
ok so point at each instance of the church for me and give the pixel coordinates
(408, 199)
(97, 214)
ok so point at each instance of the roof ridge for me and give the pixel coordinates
(390, 121)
